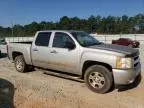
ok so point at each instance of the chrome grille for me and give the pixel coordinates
(136, 61)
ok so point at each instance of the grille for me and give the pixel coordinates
(136, 61)
(136, 58)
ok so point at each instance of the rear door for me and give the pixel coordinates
(40, 49)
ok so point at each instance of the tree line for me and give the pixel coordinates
(93, 24)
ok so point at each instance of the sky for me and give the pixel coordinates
(26, 11)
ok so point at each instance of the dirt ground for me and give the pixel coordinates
(37, 90)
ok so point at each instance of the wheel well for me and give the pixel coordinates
(87, 64)
(15, 54)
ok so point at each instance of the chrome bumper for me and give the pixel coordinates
(126, 76)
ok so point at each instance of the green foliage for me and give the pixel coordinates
(103, 25)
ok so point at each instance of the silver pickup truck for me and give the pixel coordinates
(100, 65)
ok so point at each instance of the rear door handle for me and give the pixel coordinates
(54, 51)
(35, 49)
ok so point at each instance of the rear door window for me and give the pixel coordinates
(43, 39)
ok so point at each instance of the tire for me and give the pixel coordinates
(98, 79)
(20, 64)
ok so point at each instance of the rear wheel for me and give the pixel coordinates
(98, 79)
(20, 64)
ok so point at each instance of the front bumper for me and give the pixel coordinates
(126, 76)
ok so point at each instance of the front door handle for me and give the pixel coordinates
(54, 51)
(35, 49)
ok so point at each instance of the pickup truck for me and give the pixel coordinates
(100, 65)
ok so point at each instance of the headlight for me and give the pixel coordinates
(123, 62)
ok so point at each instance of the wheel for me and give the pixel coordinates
(98, 79)
(20, 64)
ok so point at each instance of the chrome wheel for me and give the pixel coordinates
(19, 64)
(96, 80)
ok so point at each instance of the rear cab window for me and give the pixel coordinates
(43, 39)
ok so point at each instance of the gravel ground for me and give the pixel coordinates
(37, 90)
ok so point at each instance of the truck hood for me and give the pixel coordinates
(117, 48)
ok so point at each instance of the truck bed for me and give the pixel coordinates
(21, 47)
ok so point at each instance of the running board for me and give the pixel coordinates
(65, 76)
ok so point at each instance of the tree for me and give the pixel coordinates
(104, 25)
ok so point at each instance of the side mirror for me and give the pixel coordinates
(70, 45)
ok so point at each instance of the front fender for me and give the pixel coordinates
(99, 57)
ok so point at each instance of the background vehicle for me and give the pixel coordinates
(100, 65)
(126, 42)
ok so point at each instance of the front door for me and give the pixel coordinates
(63, 58)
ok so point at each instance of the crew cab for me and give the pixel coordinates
(100, 65)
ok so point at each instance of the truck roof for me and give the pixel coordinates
(60, 31)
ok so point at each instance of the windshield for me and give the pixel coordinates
(85, 39)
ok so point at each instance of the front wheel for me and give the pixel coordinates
(20, 64)
(98, 79)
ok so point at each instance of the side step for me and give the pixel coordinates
(64, 75)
